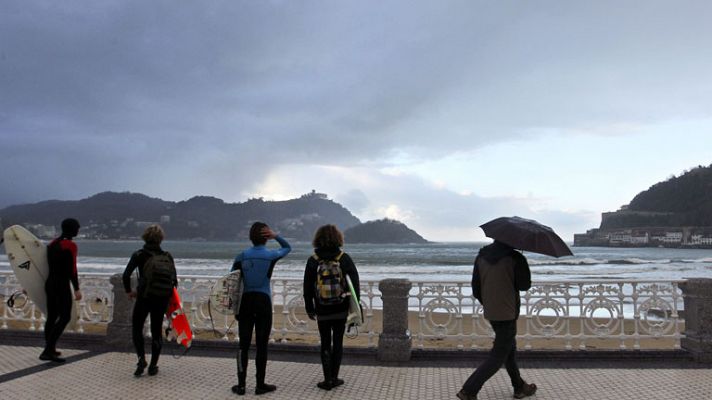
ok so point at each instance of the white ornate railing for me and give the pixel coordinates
(95, 308)
(562, 314)
(575, 313)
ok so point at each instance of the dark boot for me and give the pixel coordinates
(335, 366)
(526, 390)
(50, 355)
(239, 389)
(462, 395)
(263, 388)
(327, 383)
(140, 366)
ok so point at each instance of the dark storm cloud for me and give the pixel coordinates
(177, 99)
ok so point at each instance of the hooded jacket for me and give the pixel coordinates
(500, 272)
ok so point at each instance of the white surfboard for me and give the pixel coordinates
(226, 293)
(28, 259)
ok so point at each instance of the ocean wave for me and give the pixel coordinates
(617, 261)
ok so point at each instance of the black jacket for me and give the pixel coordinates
(313, 307)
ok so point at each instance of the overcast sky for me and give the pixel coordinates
(442, 114)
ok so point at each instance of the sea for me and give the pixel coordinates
(432, 262)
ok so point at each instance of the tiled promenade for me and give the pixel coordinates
(95, 374)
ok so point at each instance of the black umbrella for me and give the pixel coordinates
(526, 234)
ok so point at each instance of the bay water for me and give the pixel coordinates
(432, 262)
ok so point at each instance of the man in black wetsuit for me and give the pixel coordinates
(62, 260)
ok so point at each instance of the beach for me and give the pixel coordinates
(368, 335)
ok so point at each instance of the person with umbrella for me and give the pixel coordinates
(500, 273)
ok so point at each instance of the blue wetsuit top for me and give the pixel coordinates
(257, 264)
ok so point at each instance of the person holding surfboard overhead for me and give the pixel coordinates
(156, 280)
(62, 261)
(325, 298)
(256, 264)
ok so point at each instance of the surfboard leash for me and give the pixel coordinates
(173, 352)
(351, 331)
(212, 322)
(11, 300)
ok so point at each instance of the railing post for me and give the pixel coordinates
(118, 332)
(697, 294)
(394, 343)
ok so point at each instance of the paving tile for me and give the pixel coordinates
(14, 358)
(110, 376)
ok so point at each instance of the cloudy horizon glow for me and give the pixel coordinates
(440, 114)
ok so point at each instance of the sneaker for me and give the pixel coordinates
(462, 395)
(326, 385)
(526, 390)
(265, 388)
(45, 356)
(238, 389)
(152, 370)
(140, 366)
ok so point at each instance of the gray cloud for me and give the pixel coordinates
(205, 98)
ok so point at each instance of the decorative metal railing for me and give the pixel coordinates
(95, 308)
(562, 314)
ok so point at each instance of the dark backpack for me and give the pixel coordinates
(158, 275)
(330, 282)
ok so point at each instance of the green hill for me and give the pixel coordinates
(684, 200)
(382, 231)
(114, 215)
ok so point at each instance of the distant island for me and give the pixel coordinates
(383, 231)
(113, 215)
(675, 213)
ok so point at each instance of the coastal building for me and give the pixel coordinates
(697, 237)
(669, 238)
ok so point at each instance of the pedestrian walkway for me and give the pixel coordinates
(109, 375)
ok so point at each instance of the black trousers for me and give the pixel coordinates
(331, 333)
(255, 314)
(156, 307)
(504, 350)
(59, 313)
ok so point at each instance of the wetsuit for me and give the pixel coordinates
(155, 306)
(331, 319)
(62, 260)
(256, 264)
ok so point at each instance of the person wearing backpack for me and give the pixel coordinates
(256, 265)
(156, 280)
(325, 298)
